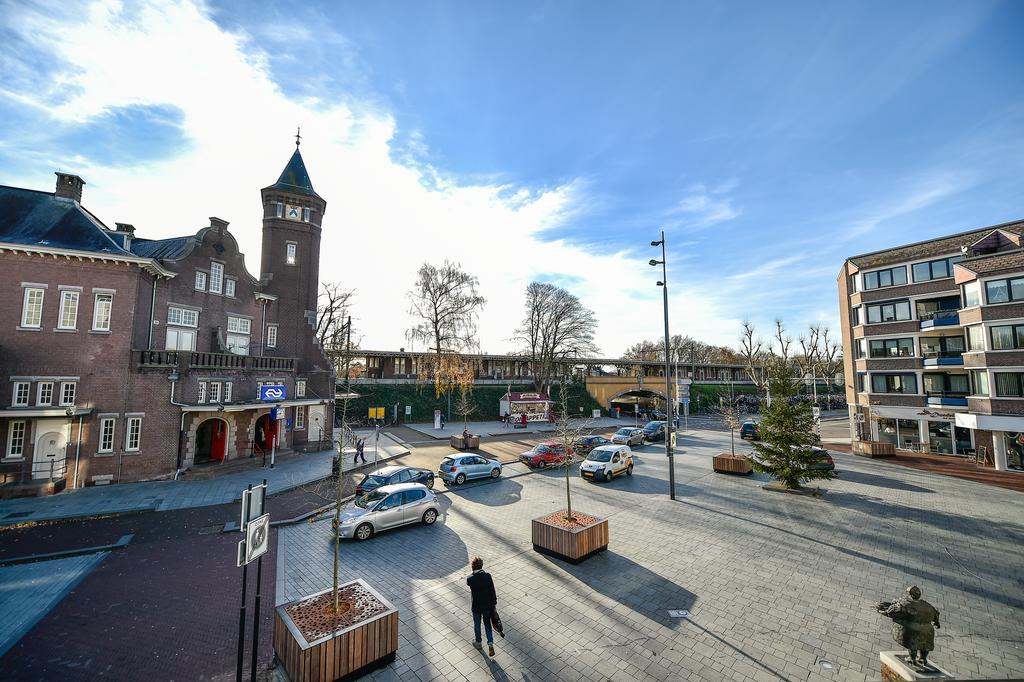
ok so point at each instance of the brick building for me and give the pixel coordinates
(127, 359)
(933, 345)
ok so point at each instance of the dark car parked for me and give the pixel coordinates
(391, 475)
(584, 445)
(824, 461)
(750, 431)
(654, 432)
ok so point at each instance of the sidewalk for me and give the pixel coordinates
(497, 428)
(164, 495)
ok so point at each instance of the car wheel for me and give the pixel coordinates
(607, 476)
(629, 470)
(495, 473)
(364, 532)
(430, 483)
(429, 516)
(460, 479)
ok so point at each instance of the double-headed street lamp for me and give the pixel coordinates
(668, 376)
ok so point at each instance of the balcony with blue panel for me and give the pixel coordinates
(939, 312)
(943, 359)
(948, 399)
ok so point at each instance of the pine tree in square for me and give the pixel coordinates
(786, 450)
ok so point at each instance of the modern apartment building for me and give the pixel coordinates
(126, 359)
(933, 345)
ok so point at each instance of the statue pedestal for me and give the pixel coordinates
(895, 669)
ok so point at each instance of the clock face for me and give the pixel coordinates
(293, 212)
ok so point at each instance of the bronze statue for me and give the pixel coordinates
(914, 623)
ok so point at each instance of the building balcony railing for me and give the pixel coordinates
(948, 398)
(939, 318)
(187, 360)
(936, 358)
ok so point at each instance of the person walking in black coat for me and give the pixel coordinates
(360, 445)
(484, 600)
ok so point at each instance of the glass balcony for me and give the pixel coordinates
(947, 398)
(939, 318)
(937, 358)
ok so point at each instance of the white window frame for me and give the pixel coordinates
(229, 287)
(133, 424)
(64, 401)
(20, 429)
(102, 301)
(271, 336)
(178, 316)
(68, 303)
(105, 443)
(300, 418)
(226, 398)
(291, 253)
(39, 394)
(300, 388)
(239, 325)
(201, 280)
(26, 321)
(202, 392)
(216, 285)
(305, 214)
(179, 333)
(15, 401)
(214, 392)
(280, 209)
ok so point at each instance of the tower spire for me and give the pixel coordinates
(298, 136)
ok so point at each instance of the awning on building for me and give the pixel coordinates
(940, 414)
(20, 412)
(990, 422)
(254, 405)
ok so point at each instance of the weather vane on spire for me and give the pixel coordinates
(298, 136)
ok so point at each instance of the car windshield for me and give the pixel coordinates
(373, 481)
(624, 432)
(543, 449)
(600, 456)
(369, 499)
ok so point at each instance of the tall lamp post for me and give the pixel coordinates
(668, 375)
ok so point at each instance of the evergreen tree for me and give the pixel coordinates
(788, 434)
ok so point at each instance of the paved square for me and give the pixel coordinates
(777, 586)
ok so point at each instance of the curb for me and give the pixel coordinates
(32, 558)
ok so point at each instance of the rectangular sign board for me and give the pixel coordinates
(257, 538)
(253, 502)
(273, 393)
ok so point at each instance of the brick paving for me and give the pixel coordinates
(775, 584)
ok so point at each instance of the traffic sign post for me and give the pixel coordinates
(255, 542)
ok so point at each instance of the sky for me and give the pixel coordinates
(543, 141)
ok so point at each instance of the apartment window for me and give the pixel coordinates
(855, 316)
(133, 434)
(300, 388)
(1007, 337)
(200, 280)
(936, 269)
(1004, 290)
(227, 392)
(214, 391)
(291, 248)
(67, 393)
(300, 418)
(101, 312)
(202, 392)
(280, 210)
(1009, 384)
(106, 443)
(885, 278)
(858, 349)
(32, 308)
(238, 335)
(972, 294)
(182, 317)
(892, 311)
(271, 336)
(216, 277)
(853, 284)
(16, 439)
(892, 348)
(44, 394)
(942, 346)
(976, 338)
(229, 287)
(944, 384)
(21, 391)
(305, 215)
(979, 380)
(180, 339)
(862, 382)
(68, 318)
(893, 383)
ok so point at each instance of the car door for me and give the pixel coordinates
(404, 476)
(414, 503)
(616, 463)
(478, 467)
(389, 512)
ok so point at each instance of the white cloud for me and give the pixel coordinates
(922, 193)
(385, 216)
(702, 208)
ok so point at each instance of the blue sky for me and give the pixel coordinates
(548, 140)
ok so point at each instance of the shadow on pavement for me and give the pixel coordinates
(499, 492)
(882, 482)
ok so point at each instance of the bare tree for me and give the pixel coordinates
(556, 327)
(729, 413)
(444, 306)
(650, 351)
(332, 311)
(754, 353)
(568, 432)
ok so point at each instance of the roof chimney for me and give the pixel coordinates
(218, 223)
(125, 228)
(69, 186)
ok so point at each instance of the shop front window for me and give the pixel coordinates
(1014, 451)
(940, 437)
(910, 436)
(887, 431)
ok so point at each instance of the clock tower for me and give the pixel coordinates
(290, 263)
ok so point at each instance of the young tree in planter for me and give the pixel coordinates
(788, 436)
(569, 432)
(729, 413)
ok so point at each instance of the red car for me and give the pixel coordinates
(549, 453)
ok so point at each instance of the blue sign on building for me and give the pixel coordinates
(273, 393)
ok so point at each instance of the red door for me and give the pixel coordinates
(218, 441)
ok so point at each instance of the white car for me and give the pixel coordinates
(606, 462)
(628, 435)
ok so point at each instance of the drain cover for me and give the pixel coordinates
(678, 613)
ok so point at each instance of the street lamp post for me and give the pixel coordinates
(668, 361)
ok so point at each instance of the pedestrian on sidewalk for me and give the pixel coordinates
(506, 419)
(485, 600)
(360, 445)
(442, 421)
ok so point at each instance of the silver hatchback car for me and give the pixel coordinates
(386, 507)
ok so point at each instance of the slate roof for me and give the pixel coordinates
(933, 247)
(172, 248)
(294, 178)
(32, 218)
(997, 262)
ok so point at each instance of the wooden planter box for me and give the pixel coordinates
(460, 443)
(575, 542)
(731, 464)
(313, 646)
(873, 448)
